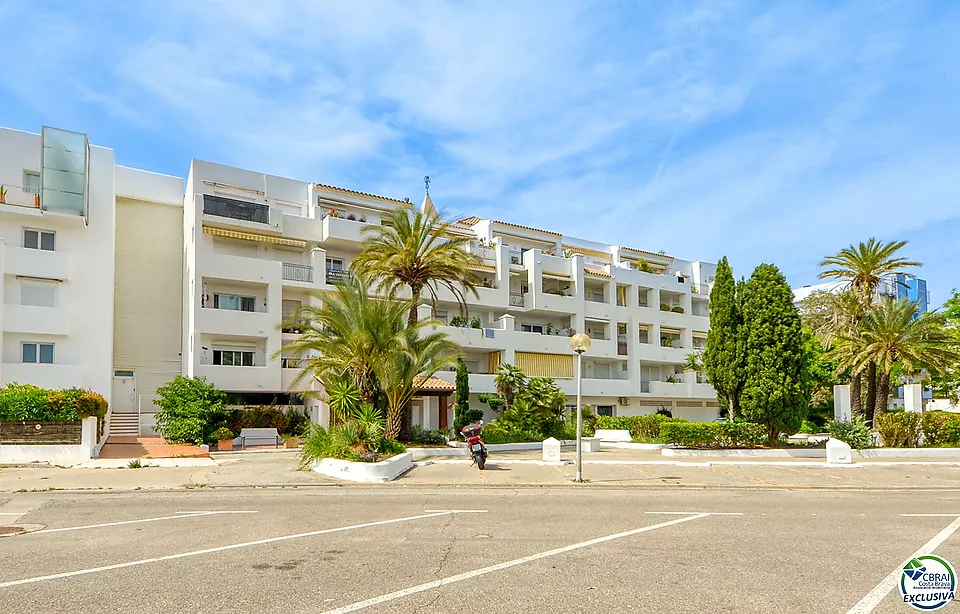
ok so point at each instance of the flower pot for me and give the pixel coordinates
(224, 445)
(292, 442)
(36, 201)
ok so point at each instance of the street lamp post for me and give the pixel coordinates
(580, 344)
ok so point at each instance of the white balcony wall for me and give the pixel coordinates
(242, 379)
(30, 319)
(37, 263)
(46, 376)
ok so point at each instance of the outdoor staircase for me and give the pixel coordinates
(124, 425)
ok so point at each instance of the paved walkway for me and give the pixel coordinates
(148, 447)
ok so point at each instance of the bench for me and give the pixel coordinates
(258, 437)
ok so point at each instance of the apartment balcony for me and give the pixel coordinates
(486, 253)
(682, 390)
(517, 299)
(43, 375)
(676, 320)
(655, 353)
(238, 268)
(342, 229)
(621, 348)
(242, 379)
(37, 263)
(236, 323)
(33, 320)
(290, 369)
(234, 209)
(337, 276)
(297, 272)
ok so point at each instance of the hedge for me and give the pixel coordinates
(941, 428)
(640, 427)
(289, 422)
(899, 430)
(713, 434)
(26, 402)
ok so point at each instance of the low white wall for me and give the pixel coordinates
(87, 449)
(367, 473)
(780, 453)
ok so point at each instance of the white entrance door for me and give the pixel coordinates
(124, 392)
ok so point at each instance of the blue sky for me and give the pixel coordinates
(765, 131)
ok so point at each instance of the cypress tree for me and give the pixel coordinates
(776, 389)
(461, 410)
(723, 356)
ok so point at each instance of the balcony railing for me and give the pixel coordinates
(593, 298)
(298, 272)
(293, 363)
(236, 209)
(337, 276)
(516, 300)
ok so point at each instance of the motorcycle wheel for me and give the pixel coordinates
(481, 459)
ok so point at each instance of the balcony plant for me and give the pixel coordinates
(458, 321)
(676, 309)
(476, 323)
(672, 379)
(3, 194)
(644, 266)
(666, 342)
(224, 437)
(664, 307)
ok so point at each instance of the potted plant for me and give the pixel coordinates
(291, 441)
(476, 323)
(664, 307)
(676, 309)
(224, 437)
(3, 194)
(458, 321)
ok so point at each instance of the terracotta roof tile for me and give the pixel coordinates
(597, 272)
(434, 384)
(367, 194)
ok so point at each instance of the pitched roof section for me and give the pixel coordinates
(597, 272)
(395, 201)
(472, 220)
(646, 253)
(588, 252)
(433, 384)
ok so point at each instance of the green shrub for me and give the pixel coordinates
(941, 428)
(359, 438)
(496, 433)
(855, 433)
(676, 309)
(464, 417)
(28, 402)
(222, 434)
(420, 435)
(810, 428)
(900, 429)
(712, 435)
(641, 427)
(190, 409)
(390, 447)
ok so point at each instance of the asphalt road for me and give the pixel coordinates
(530, 551)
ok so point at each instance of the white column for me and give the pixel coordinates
(841, 403)
(88, 436)
(913, 398)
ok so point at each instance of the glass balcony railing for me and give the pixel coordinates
(236, 209)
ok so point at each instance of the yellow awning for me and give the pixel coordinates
(544, 365)
(483, 267)
(251, 236)
(698, 333)
(559, 276)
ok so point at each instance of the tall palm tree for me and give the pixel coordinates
(892, 334)
(414, 250)
(832, 315)
(353, 333)
(417, 357)
(510, 381)
(864, 267)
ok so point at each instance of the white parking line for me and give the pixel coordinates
(872, 599)
(930, 515)
(181, 555)
(501, 566)
(114, 524)
(457, 511)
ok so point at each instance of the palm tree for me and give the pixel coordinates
(417, 357)
(353, 333)
(864, 266)
(893, 334)
(832, 315)
(414, 250)
(510, 381)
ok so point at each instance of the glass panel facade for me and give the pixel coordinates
(65, 172)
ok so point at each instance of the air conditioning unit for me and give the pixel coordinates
(623, 400)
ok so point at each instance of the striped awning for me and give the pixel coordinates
(699, 333)
(252, 236)
(483, 267)
(559, 276)
(597, 272)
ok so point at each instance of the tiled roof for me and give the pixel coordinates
(366, 194)
(433, 384)
(588, 252)
(470, 221)
(643, 251)
(597, 272)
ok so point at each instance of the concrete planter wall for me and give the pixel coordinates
(55, 453)
(367, 473)
(780, 453)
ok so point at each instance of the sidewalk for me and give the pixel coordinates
(612, 468)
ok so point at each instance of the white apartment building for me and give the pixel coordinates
(72, 240)
(258, 246)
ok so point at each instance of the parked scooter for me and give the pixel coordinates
(475, 444)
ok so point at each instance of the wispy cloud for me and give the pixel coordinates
(765, 131)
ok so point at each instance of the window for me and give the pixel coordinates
(334, 264)
(31, 182)
(38, 239)
(532, 328)
(604, 410)
(38, 294)
(37, 353)
(234, 302)
(233, 358)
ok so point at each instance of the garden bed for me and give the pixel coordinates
(366, 473)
